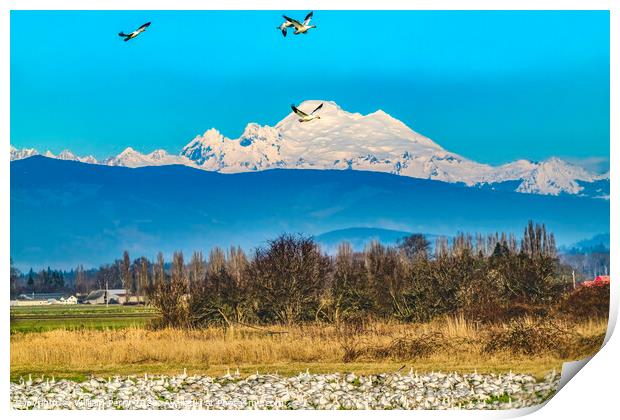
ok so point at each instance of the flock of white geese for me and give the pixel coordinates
(300, 28)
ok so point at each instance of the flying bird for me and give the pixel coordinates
(134, 33)
(301, 28)
(303, 117)
(283, 27)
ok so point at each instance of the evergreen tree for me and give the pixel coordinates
(30, 281)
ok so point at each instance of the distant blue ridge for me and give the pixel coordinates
(65, 213)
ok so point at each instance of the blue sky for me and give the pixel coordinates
(492, 86)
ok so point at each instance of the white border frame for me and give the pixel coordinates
(597, 396)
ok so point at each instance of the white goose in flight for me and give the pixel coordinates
(303, 117)
(286, 24)
(301, 28)
(135, 33)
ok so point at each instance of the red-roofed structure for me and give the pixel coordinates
(598, 281)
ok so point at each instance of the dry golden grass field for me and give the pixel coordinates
(451, 344)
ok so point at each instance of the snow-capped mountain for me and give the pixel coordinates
(68, 155)
(134, 159)
(344, 140)
(373, 142)
(557, 176)
(17, 154)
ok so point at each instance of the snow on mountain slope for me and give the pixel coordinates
(345, 140)
(258, 148)
(88, 159)
(338, 140)
(134, 159)
(555, 176)
(68, 155)
(128, 157)
(17, 154)
(373, 142)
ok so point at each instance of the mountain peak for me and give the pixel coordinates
(212, 135)
(554, 176)
(313, 103)
(158, 154)
(128, 151)
(348, 140)
(67, 155)
(88, 159)
(381, 114)
(17, 154)
(199, 150)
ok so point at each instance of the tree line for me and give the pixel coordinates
(290, 280)
(44, 281)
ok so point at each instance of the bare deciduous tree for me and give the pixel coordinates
(159, 273)
(80, 281)
(288, 278)
(125, 267)
(197, 272)
(178, 271)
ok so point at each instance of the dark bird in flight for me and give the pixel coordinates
(300, 28)
(303, 117)
(134, 33)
